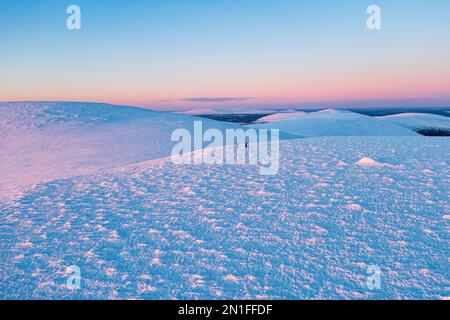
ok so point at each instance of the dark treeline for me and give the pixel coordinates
(433, 132)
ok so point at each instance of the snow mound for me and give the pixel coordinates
(369, 162)
(332, 122)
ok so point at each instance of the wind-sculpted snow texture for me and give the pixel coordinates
(157, 230)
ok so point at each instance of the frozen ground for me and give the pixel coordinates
(156, 230)
(89, 185)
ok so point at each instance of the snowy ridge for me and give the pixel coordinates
(281, 116)
(418, 120)
(43, 141)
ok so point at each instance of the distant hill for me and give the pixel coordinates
(331, 122)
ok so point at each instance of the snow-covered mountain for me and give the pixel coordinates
(331, 122)
(279, 116)
(418, 120)
(42, 141)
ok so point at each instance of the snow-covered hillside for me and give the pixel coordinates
(331, 123)
(43, 141)
(158, 230)
(418, 120)
(279, 116)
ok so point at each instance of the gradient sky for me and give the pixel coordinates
(207, 53)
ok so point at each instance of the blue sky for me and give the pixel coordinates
(169, 53)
